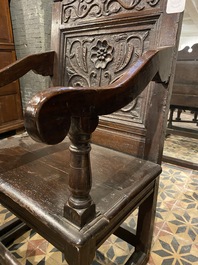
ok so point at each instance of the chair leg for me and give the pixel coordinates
(138, 258)
(145, 227)
(82, 255)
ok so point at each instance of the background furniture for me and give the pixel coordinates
(10, 98)
(185, 89)
(107, 61)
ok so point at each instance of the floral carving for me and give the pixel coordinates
(101, 54)
(77, 9)
(100, 60)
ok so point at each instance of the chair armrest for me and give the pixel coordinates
(41, 63)
(48, 114)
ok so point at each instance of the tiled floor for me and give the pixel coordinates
(182, 147)
(175, 239)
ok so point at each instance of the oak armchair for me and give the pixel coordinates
(120, 61)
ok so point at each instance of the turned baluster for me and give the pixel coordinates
(80, 208)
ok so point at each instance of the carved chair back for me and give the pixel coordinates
(96, 42)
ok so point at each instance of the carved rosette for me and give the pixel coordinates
(77, 9)
(100, 60)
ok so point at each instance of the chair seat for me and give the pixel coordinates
(33, 185)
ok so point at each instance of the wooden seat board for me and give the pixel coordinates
(35, 177)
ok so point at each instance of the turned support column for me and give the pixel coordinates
(80, 208)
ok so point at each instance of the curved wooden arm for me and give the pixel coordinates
(41, 63)
(48, 114)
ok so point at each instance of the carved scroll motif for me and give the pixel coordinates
(96, 61)
(77, 9)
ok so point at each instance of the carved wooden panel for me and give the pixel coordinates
(94, 56)
(74, 10)
(100, 40)
(99, 59)
(96, 41)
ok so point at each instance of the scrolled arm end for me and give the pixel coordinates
(47, 124)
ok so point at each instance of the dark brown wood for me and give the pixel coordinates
(40, 63)
(180, 162)
(145, 223)
(11, 117)
(185, 88)
(91, 102)
(126, 235)
(12, 230)
(49, 190)
(80, 208)
(6, 258)
(117, 63)
(127, 31)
